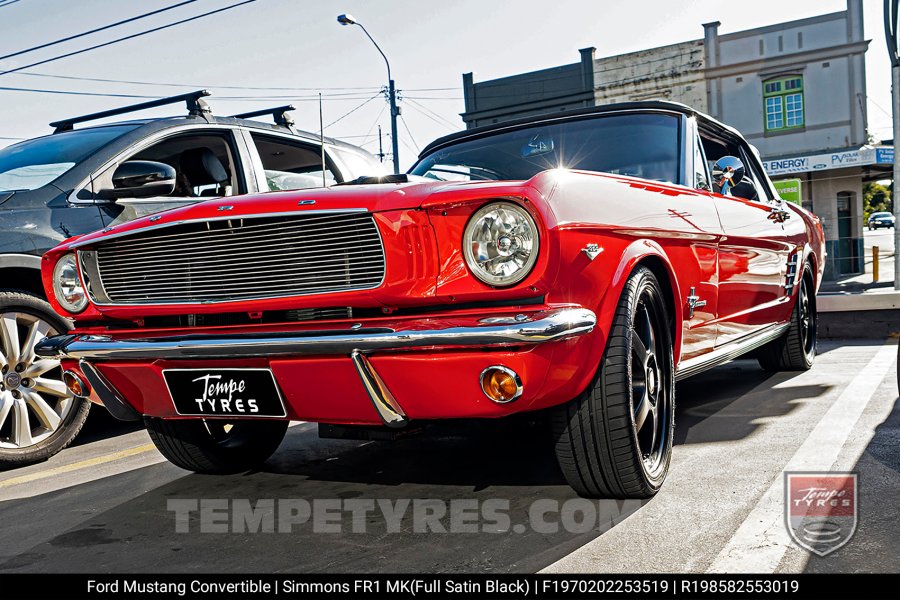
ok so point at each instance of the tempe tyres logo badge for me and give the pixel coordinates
(820, 509)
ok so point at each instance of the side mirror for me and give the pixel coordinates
(141, 179)
(727, 173)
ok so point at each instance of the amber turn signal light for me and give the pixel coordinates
(76, 384)
(501, 384)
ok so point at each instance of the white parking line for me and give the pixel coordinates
(761, 541)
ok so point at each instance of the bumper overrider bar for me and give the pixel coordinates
(356, 341)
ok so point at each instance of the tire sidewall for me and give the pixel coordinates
(23, 302)
(806, 282)
(640, 280)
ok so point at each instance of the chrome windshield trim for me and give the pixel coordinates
(546, 326)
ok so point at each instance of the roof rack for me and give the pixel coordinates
(278, 113)
(195, 105)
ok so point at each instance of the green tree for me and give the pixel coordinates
(876, 198)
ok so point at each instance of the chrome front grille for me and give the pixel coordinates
(238, 259)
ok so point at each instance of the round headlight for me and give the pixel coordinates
(501, 243)
(67, 286)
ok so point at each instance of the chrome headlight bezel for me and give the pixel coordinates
(67, 285)
(476, 263)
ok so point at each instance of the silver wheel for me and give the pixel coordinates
(34, 401)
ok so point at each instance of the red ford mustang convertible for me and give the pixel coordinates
(578, 264)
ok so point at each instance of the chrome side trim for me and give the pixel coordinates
(28, 261)
(733, 350)
(382, 398)
(547, 326)
(108, 395)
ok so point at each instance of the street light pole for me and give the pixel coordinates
(392, 90)
(891, 26)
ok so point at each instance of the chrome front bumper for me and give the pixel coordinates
(524, 328)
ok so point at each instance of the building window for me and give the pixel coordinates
(783, 100)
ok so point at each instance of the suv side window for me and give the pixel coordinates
(204, 163)
(291, 165)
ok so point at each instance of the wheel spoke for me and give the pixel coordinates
(6, 404)
(9, 338)
(650, 341)
(654, 411)
(38, 368)
(44, 411)
(36, 332)
(640, 350)
(641, 411)
(22, 424)
(50, 386)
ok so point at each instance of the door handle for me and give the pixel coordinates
(778, 214)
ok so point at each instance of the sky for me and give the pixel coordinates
(298, 46)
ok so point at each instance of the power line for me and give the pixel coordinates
(1, 6)
(431, 114)
(405, 126)
(127, 37)
(351, 111)
(333, 97)
(222, 86)
(198, 85)
(375, 122)
(105, 27)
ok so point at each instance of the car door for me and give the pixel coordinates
(754, 251)
(287, 163)
(207, 161)
(695, 218)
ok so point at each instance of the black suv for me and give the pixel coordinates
(80, 180)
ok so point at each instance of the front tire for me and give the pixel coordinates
(615, 439)
(38, 415)
(216, 446)
(796, 349)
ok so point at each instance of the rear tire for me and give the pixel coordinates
(615, 439)
(796, 349)
(216, 446)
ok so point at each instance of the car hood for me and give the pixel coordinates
(371, 198)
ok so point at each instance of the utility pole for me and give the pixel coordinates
(392, 90)
(395, 112)
(380, 147)
(891, 27)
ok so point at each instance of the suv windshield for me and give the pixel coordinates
(35, 163)
(637, 144)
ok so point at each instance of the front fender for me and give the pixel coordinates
(647, 252)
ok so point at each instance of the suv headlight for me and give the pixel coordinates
(67, 285)
(501, 243)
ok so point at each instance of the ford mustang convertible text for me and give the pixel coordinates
(573, 266)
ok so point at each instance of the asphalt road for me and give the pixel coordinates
(103, 505)
(883, 238)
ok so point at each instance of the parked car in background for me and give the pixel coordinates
(881, 219)
(80, 180)
(577, 263)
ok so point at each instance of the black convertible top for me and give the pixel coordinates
(485, 130)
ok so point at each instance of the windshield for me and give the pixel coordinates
(637, 144)
(35, 163)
